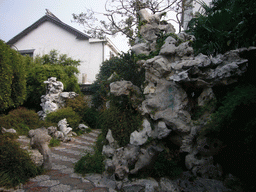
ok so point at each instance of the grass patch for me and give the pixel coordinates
(54, 142)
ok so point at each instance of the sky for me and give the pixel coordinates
(16, 15)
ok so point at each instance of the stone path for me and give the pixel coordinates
(62, 177)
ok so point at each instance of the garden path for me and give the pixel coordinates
(61, 177)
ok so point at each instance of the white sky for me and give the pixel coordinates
(16, 15)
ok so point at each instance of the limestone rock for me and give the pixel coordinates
(63, 126)
(161, 131)
(108, 151)
(141, 49)
(168, 185)
(145, 157)
(54, 98)
(147, 185)
(119, 88)
(203, 166)
(82, 127)
(141, 137)
(109, 137)
(9, 130)
(40, 140)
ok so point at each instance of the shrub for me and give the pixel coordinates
(121, 118)
(22, 120)
(166, 165)
(224, 26)
(89, 115)
(50, 65)
(126, 68)
(72, 117)
(12, 78)
(234, 124)
(90, 163)
(15, 164)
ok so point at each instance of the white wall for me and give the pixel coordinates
(49, 36)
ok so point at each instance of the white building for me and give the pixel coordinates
(50, 33)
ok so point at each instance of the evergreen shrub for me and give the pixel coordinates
(90, 163)
(12, 78)
(121, 118)
(15, 164)
(88, 114)
(22, 120)
(72, 117)
(44, 67)
(126, 68)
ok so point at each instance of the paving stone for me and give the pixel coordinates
(49, 183)
(68, 170)
(97, 190)
(40, 178)
(59, 176)
(88, 138)
(58, 167)
(76, 175)
(85, 186)
(63, 158)
(93, 134)
(60, 188)
(70, 181)
(30, 184)
(38, 189)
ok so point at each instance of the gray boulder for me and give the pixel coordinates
(40, 140)
(141, 137)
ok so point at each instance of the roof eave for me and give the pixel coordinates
(79, 35)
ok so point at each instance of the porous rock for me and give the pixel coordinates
(40, 140)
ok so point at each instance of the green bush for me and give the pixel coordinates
(12, 78)
(234, 124)
(90, 163)
(224, 26)
(126, 68)
(243, 95)
(72, 117)
(166, 165)
(15, 164)
(22, 120)
(121, 118)
(50, 65)
(89, 115)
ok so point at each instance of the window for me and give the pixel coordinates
(29, 52)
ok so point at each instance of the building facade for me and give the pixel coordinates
(50, 33)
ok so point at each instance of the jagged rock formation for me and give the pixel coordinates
(54, 98)
(177, 82)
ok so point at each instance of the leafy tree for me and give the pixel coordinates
(224, 25)
(50, 65)
(122, 16)
(12, 78)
